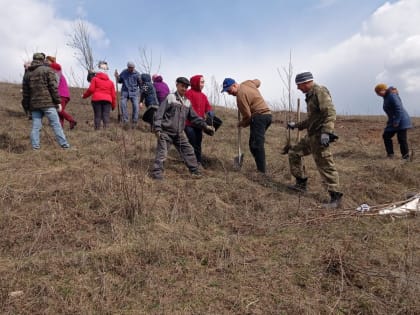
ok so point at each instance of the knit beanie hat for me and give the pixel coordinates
(380, 87)
(304, 77)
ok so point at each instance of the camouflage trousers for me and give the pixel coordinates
(323, 160)
(181, 144)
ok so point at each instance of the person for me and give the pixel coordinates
(28, 114)
(40, 96)
(169, 125)
(102, 90)
(131, 82)
(63, 91)
(319, 123)
(147, 91)
(161, 88)
(398, 120)
(201, 106)
(255, 113)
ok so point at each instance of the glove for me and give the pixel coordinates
(325, 139)
(59, 108)
(209, 130)
(158, 134)
(210, 114)
(291, 125)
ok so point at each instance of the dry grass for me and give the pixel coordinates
(85, 231)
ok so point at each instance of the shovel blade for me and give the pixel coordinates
(238, 161)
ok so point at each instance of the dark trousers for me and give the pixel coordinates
(259, 125)
(402, 140)
(195, 137)
(101, 110)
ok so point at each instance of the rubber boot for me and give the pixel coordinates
(300, 186)
(335, 200)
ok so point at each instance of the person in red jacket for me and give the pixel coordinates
(103, 94)
(201, 106)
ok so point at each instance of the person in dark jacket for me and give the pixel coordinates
(161, 88)
(103, 96)
(201, 106)
(398, 120)
(169, 126)
(147, 91)
(130, 91)
(40, 96)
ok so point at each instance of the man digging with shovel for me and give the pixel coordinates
(255, 113)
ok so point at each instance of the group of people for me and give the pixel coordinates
(179, 118)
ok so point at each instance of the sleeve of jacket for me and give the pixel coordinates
(91, 88)
(327, 110)
(208, 107)
(157, 123)
(245, 110)
(53, 86)
(25, 93)
(195, 119)
(397, 109)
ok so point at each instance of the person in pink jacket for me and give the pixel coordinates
(63, 91)
(103, 94)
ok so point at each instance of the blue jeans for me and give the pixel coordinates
(135, 99)
(52, 115)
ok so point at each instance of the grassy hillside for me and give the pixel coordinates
(86, 231)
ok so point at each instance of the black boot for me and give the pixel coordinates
(300, 186)
(335, 200)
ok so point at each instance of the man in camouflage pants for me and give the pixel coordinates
(320, 126)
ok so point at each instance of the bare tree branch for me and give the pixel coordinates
(80, 41)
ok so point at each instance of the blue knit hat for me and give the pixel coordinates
(304, 77)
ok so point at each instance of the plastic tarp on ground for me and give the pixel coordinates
(411, 206)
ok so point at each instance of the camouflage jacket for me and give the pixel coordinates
(39, 87)
(321, 111)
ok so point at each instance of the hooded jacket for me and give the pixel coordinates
(198, 99)
(63, 88)
(102, 89)
(147, 91)
(172, 113)
(161, 88)
(130, 83)
(398, 118)
(39, 87)
(250, 101)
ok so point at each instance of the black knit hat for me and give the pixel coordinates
(304, 77)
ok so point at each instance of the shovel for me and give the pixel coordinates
(238, 160)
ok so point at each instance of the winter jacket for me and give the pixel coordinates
(321, 112)
(39, 87)
(172, 113)
(161, 88)
(130, 83)
(398, 118)
(63, 88)
(250, 101)
(102, 89)
(147, 91)
(198, 99)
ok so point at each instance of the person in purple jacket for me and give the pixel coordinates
(398, 120)
(162, 89)
(63, 91)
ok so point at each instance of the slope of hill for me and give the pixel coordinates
(86, 231)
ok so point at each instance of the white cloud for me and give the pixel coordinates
(385, 50)
(39, 29)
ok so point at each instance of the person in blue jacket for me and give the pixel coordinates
(398, 120)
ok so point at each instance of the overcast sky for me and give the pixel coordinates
(349, 46)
